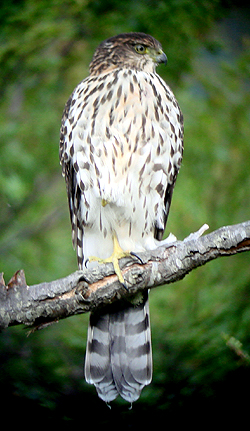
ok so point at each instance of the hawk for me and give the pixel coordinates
(121, 148)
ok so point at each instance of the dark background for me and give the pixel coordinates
(200, 326)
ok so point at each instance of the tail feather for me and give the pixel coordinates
(97, 361)
(118, 358)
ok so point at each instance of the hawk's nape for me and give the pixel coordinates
(121, 149)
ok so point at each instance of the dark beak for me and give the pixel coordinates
(161, 58)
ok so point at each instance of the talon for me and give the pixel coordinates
(86, 263)
(117, 254)
(125, 287)
(138, 257)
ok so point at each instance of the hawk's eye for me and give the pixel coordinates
(141, 49)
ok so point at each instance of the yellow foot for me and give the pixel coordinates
(117, 254)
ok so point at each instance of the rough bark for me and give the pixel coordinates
(84, 291)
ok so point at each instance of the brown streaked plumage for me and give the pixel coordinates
(121, 149)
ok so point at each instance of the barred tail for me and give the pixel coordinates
(119, 356)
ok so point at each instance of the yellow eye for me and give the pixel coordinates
(141, 49)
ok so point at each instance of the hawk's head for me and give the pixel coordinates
(132, 50)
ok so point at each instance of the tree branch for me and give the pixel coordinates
(84, 291)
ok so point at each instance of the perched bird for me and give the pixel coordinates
(120, 149)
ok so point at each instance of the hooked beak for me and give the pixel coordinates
(161, 57)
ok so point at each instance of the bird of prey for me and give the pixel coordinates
(121, 148)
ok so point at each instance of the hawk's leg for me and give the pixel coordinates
(118, 253)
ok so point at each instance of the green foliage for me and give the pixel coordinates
(45, 49)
